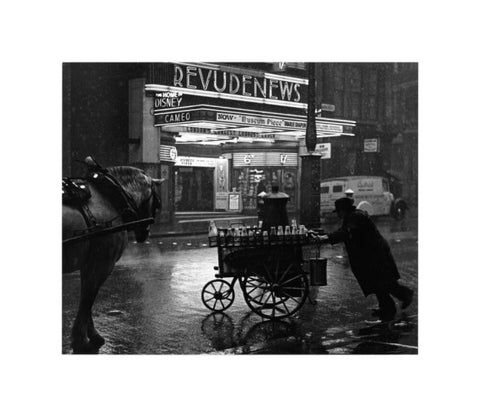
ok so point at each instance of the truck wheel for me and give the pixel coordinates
(399, 211)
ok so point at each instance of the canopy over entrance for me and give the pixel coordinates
(215, 125)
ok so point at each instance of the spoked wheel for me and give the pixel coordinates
(275, 295)
(218, 295)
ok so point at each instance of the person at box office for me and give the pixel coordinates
(275, 208)
(370, 258)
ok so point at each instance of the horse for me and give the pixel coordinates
(96, 255)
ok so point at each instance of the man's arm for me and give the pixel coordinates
(337, 236)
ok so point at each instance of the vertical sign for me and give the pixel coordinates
(221, 184)
(234, 202)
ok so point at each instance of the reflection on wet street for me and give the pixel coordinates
(151, 304)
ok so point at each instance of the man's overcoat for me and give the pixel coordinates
(370, 257)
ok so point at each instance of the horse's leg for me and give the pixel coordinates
(93, 275)
(101, 260)
(95, 338)
(80, 342)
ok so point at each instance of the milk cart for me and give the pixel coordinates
(269, 268)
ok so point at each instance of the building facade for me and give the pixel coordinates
(222, 133)
(383, 99)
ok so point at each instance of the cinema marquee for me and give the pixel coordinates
(218, 81)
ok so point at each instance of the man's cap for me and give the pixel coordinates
(349, 191)
(344, 204)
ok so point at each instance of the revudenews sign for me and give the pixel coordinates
(223, 80)
(219, 81)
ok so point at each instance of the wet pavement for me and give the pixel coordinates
(151, 304)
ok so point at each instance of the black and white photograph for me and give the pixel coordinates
(265, 208)
(240, 208)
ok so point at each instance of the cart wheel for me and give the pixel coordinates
(275, 297)
(218, 295)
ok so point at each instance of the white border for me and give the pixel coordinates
(439, 381)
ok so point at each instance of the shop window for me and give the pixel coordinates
(251, 181)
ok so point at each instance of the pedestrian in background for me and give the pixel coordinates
(349, 193)
(261, 193)
(370, 258)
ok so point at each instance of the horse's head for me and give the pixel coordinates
(144, 191)
(148, 209)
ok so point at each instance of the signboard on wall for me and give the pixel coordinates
(221, 200)
(327, 107)
(191, 116)
(324, 150)
(189, 161)
(273, 122)
(371, 145)
(167, 153)
(234, 201)
(167, 99)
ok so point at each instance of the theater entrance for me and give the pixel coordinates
(194, 189)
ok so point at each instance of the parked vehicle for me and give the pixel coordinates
(371, 194)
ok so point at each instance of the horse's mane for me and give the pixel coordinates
(133, 180)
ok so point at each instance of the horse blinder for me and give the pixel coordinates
(141, 232)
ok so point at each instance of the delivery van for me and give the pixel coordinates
(371, 194)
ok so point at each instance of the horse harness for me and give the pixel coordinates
(76, 193)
